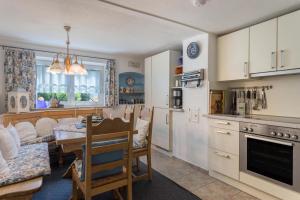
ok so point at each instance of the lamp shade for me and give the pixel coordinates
(55, 67)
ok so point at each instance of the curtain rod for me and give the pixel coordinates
(54, 52)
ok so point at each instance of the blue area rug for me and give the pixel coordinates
(160, 188)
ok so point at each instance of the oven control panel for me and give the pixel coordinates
(285, 133)
(271, 131)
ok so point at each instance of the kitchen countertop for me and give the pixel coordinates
(290, 122)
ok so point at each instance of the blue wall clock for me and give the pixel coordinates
(193, 50)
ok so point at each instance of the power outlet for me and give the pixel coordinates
(194, 115)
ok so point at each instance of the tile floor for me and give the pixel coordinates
(195, 179)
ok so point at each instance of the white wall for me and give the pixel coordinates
(121, 61)
(191, 138)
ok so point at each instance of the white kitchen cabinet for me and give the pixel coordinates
(233, 56)
(224, 147)
(263, 47)
(148, 82)
(161, 129)
(224, 163)
(288, 41)
(161, 79)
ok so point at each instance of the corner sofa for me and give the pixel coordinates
(32, 162)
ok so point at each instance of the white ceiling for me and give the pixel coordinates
(95, 27)
(100, 27)
(216, 16)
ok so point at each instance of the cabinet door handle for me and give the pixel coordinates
(223, 123)
(167, 120)
(246, 69)
(223, 132)
(167, 100)
(282, 58)
(273, 60)
(222, 155)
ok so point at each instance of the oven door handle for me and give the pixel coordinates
(269, 140)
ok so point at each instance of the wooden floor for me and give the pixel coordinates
(195, 180)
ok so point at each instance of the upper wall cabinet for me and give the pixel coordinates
(233, 56)
(160, 79)
(289, 41)
(263, 47)
(159, 72)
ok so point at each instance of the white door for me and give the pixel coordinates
(148, 82)
(160, 132)
(288, 41)
(263, 46)
(233, 56)
(160, 79)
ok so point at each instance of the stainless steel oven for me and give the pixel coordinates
(271, 153)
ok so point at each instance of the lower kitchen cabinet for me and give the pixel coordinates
(161, 134)
(224, 147)
(224, 163)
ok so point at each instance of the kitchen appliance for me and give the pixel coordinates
(271, 153)
(177, 98)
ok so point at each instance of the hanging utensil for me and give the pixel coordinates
(263, 99)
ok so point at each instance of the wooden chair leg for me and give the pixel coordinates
(149, 165)
(138, 163)
(60, 157)
(129, 192)
(117, 194)
(75, 191)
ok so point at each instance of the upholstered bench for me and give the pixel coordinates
(32, 162)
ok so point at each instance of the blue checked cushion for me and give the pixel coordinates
(101, 159)
(31, 162)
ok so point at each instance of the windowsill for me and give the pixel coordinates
(68, 107)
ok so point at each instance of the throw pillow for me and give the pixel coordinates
(14, 133)
(139, 140)
(4, 170)
(44, 126)
(8, 146)
(26, 131)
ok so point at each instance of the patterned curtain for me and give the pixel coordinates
(111, 94)
(20, 72)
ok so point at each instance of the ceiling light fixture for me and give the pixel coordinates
(198, 3)
(69, 68)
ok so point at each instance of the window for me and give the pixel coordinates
(69, 90)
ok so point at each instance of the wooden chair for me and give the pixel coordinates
(128, 110)
(145, 114)
(106, 131)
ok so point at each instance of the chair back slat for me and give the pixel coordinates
(109, 166)
(110, 136)
(109, 148)
(111, 126)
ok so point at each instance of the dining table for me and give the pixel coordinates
(71, 139)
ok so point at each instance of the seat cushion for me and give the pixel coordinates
(8, 146)
(31, 162)
(26, 131)
(102, 159)
(14, 133)
(44, 126)
(139, 140)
